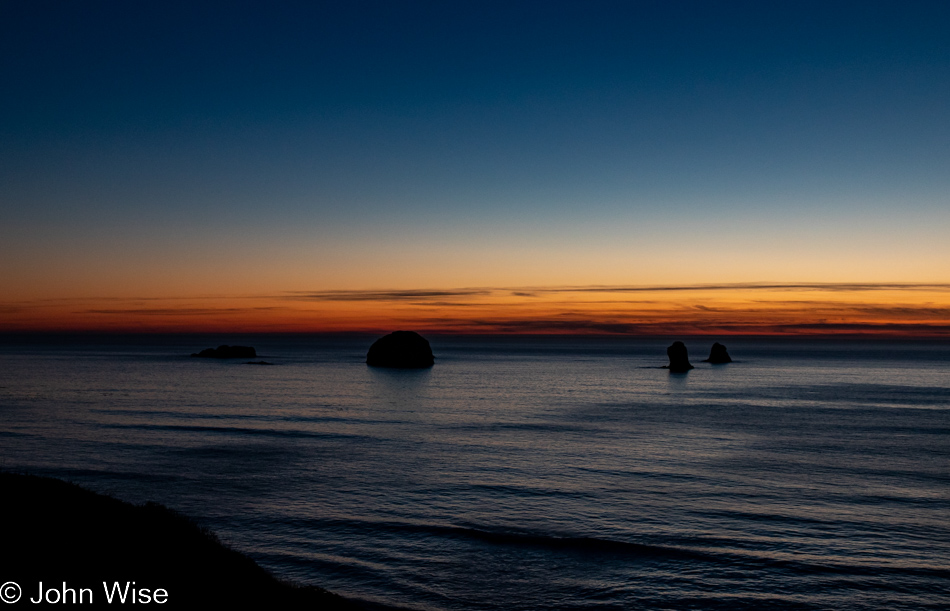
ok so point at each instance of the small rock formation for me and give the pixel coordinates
(400, 349)
(227, 352)
(718, 355)
(679, 360)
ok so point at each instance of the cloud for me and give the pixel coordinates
(174, 311)
(443, 304)
(557, 326)
(864, 328)
(381, 295)
(760, 286)
(579, 323)
(416, 294)
(925, 311)
(852, 309)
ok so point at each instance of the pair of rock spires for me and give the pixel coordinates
(679, 360)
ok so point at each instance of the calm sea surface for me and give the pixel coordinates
(522, 473)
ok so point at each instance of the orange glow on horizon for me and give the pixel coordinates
(921, 310)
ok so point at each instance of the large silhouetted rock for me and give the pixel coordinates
(401, 349)
(718, 355)
(228, 352)
(679, 360)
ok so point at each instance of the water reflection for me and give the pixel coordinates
(402, 389)
(400, 379)
(678, 381)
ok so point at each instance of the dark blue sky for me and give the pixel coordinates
(607, 130)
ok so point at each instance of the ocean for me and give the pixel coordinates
(521, 473)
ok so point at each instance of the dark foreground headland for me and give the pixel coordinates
(72, 540)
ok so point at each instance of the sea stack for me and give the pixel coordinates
(718, 355)
(401, 350)
(679, 360)
(227, 352)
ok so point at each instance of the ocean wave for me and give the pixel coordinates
(570, 544)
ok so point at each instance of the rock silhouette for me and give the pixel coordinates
(227, 352)
(400, 349)
(718, 355)
(679, 360)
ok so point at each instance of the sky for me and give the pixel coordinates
(535, 167)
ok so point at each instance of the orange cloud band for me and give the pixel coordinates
(886, 309)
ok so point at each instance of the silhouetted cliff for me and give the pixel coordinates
(57, 532)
